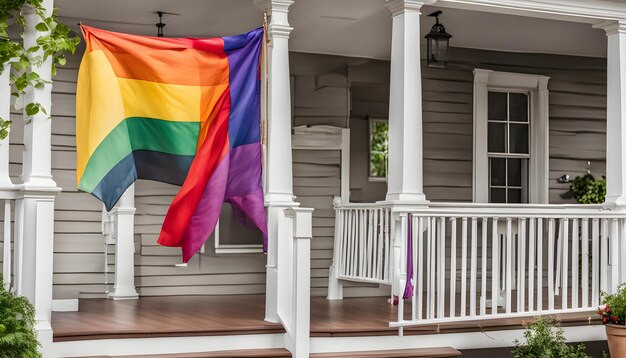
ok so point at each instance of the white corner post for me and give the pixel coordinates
(405, 174)
(123, 215)
(294, 297)
(615, 143)
(35, 204)
(279, 185)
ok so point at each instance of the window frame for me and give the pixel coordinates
(370, 123)
(536, 86)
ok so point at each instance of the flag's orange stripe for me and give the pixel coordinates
(195, 62)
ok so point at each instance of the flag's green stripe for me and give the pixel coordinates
(136, 133)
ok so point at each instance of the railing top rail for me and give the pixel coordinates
(464, 209)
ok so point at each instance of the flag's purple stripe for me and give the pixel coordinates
(244, 174)
(243, 64)
(207, 212)
(408, 287)
(246, 207)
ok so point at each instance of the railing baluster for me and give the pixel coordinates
(420, 267)
(531, 264)
(574, 263)
(387, 248)
(352, 225)
(559, 257)
(370, 243)
(452, 266)
(495, 266)
(539, 264)
(521, 264)
(6, 257)
(614, 256)
(509, 265)
(604, 252)
(565, 265)
(463, 266)
(483, 269)
(442, 269)
(362, 243)
(595, 257)
(428, 268)
(433, 266)
(550, 264)
(414, 247)
(585, 262)
(473, 267)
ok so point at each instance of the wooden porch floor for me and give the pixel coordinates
(175, 316)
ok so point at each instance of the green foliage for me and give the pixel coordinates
(17, 327)
(379, 148)
(544, 339)
(588, 190)
(614, 310)
(53, 43)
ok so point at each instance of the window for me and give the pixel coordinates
(510, 137)
(508, 146)
(378, 149)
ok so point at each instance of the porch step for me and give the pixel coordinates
(439, 352)
(241, 353)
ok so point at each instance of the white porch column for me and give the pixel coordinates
(615, 143)
(5, 113)
(616, 112)
(279, 185)
(35, 208)
(124, 232)
(405, 179)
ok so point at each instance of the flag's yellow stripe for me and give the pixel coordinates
(111, 99)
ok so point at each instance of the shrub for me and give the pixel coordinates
(587, 190)
(17, 326)
(544, 339)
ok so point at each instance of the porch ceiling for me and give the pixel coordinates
(357, 28)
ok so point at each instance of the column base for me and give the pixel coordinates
(404, 198)
(123, 293)
(617, 202)
(335, 285)
(44, 336)
(271, 291)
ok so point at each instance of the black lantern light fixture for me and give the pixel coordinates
(438, 43)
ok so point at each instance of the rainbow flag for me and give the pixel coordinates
(183, 111)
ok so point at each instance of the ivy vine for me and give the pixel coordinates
(54, 42)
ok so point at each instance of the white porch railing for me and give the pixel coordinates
(364, 243)
(459, 258)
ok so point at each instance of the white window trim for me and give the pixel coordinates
(537, 87)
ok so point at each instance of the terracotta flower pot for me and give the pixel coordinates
(616, 335)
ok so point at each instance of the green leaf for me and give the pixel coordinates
(42, 27)
(32, 109)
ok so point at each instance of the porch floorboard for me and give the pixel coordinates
(175, 316)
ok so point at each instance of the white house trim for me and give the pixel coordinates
(568, 10)
(537, 87)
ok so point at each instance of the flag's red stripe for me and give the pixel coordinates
(212, 151)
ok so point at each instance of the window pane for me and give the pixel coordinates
(498, 195)
(497, 106)
(379, 148)
(496, 138)
(515, 196)
(498, 172)
(514, 174)
(518, 107)
(518, 137)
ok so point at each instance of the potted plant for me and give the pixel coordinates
(17, 326)
(614, 317)
(544, 338)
